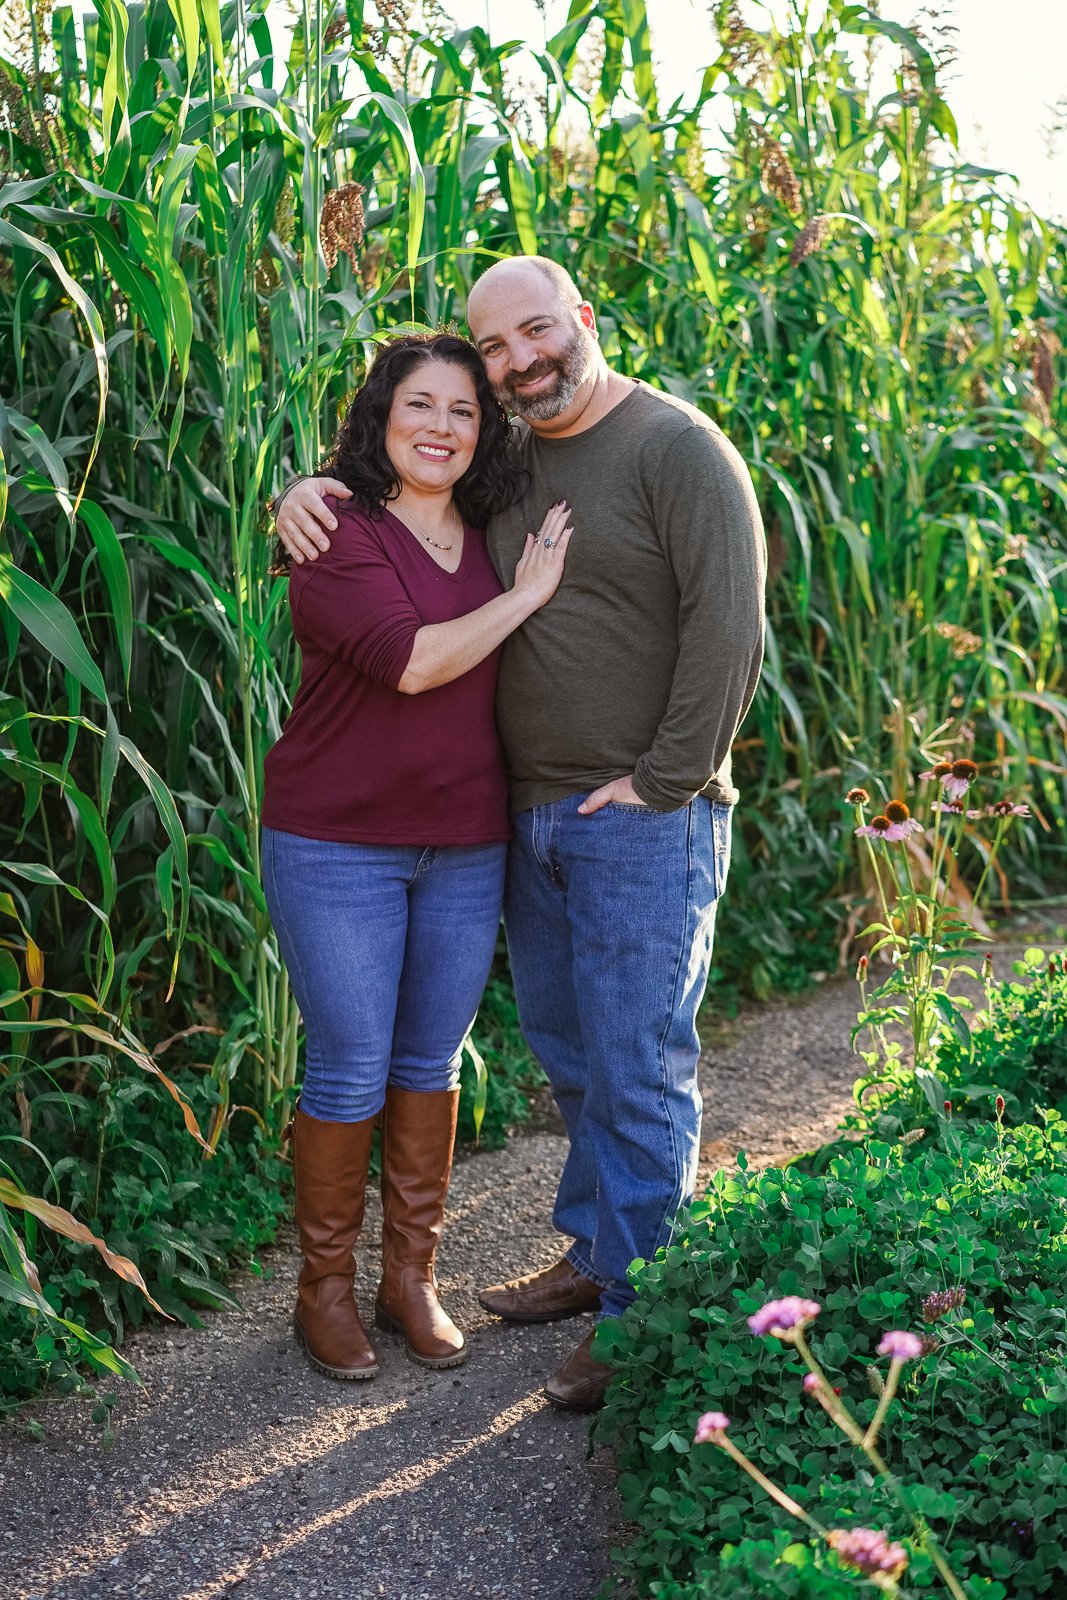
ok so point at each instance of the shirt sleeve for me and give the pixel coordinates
(710, 527)
(352, 604)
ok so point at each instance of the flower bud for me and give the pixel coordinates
(1000, 1107)
(861, 970)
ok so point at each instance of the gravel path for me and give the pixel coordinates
(239, 1471)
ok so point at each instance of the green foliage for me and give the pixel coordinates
(513, 1074)
(1015, 1047)
(976, 1434)
(123, 1159)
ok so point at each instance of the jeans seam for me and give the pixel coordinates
(667, 1224)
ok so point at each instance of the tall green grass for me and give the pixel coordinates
(200, 240)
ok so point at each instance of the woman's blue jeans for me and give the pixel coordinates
(388, 949)
(610, 920)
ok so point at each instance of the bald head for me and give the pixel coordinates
(536, 335)
(522, 274)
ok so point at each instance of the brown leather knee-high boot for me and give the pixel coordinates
(330, 1160)
(418, 1132)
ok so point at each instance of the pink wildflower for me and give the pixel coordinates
(902, 1346)
(953, 810)
(958, 779)
(880, 827)
(1005, 808)
(710, 1426)
(901, 818)
(782, 1318)
(869, 1551)
(939, 771)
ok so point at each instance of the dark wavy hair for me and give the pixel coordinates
(358, 458)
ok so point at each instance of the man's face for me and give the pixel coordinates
(537, 351)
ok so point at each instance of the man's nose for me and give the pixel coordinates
(523, 355)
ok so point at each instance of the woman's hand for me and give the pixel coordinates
(541, 564)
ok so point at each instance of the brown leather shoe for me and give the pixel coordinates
(418, 1132)
(557, 1291)
(330, 1161)
(581, 1381)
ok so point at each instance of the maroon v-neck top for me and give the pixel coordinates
(359, 762)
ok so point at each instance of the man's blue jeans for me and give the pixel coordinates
(388, 948)
(610, 920)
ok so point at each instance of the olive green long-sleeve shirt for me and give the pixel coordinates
(647, 657)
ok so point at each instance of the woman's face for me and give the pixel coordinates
(433, 426)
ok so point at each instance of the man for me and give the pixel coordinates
(617, 705)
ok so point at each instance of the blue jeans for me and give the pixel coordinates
(610, 920)
(388, 948)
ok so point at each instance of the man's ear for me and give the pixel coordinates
(587, 317)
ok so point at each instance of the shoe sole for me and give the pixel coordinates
(536, 1316)
(342, 1374)
(389, 1324)
(573, 1405)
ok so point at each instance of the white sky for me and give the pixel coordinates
(1012, 68)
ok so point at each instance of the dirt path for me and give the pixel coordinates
(239, 1471)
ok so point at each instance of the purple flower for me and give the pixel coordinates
(941, 1302)
(1005, 808)
(710, 1426)
(869, 1551)
(781, 1318)
(880, 827)
(958, 779)
(940, 770)
(901, 1346)
(948, 810)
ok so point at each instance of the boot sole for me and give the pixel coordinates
(536, 1316)
(586, 1408)
(389, 1324)
(342, 1374)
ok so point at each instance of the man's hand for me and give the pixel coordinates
(303, 517)
(621, 789)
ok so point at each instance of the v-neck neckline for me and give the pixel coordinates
(455, 574)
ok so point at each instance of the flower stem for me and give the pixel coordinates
(883, 1405)
(776, 1494)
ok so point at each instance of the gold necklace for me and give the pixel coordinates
(422, 535)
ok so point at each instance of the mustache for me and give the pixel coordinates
(540, 369)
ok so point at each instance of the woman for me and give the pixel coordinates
(385, 821)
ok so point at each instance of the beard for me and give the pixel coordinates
(571, 370)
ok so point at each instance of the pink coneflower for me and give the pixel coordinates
(858, 797)
(901, 818)
(880, 827)
(958, 779)
(869, 1551)
(939, 770)
(1006, 808)
(901, 1345)
(948, 809)
(710, 1427)
(783, 1318)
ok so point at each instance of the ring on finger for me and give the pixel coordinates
(548, 543)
